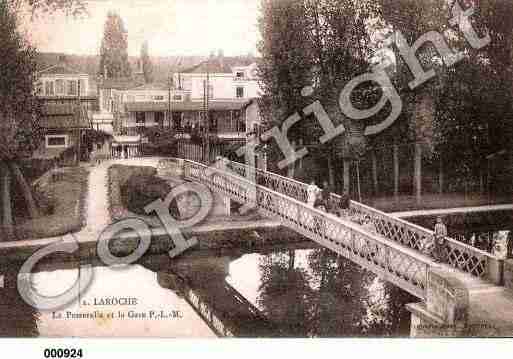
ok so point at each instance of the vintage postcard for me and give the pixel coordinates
(256, 169)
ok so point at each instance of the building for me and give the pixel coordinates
(67, 103)
(129, 109)
(181, 104)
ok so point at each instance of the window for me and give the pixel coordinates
(239, 75)
(158, 98)
(82, 87)
(39, 88)
(56, 141)
(159, 118)
(177, 98)
(240, 92)
(49, 90)
(140, 118)
(72, 88)
(210, 90)
(59, 87)
(187, 83)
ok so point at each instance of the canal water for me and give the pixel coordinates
(300, 292)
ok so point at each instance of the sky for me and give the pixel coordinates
(172, 27)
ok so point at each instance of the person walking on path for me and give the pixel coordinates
(440, 239)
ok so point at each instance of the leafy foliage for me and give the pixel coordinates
(147, 66)
(114, 50)
(19, 130)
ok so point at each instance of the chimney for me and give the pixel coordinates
(220, 56)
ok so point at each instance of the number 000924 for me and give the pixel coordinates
(63, 353)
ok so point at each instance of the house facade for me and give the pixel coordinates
(67, 103)
(181, 105)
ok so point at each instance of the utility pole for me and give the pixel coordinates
(170, 114)
(79, 144)
(206, 95)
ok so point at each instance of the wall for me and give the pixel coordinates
(84, 89)
(224, 86)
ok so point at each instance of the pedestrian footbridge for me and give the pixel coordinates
(390, 248)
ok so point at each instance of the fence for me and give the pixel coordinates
(400, 169)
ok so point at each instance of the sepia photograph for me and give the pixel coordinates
(270, 169)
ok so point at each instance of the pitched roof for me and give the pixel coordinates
(158, 86)
(183, 106)
(59, 69)
(220, 65)
(215, 65)
(121, 84)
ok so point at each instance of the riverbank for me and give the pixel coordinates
(211, 236)
(434, 202)
(66, 190)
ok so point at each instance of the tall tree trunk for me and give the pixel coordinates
(5, 195)
(375, 172)
(396, 171)
(331, 172)
(441, 176)
(417, 173)
(347, 169)
(25, 189)
(292, 260)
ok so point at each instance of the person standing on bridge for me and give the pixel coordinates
(440, 239)
(343, 205)
(312, 191)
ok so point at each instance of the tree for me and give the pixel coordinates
(147, 66)
(70, 7)
(282, 284)
(114, 49)
(19, 108)
(483, 80)
(322, 44)
(19, 131)
(285, 67)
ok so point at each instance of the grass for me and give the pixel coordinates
(68, 197)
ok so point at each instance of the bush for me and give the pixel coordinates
(141, 190)
(131, 188)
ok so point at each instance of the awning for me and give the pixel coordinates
(183, 106)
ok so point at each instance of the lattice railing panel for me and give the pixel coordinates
(398, 264)
(466, 258)
(459, 255)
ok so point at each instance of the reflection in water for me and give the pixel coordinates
(291, 293)
(17, 319)
(315, 293)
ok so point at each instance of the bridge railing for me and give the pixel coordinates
(459, 255)
(208, 315)
(391, 261)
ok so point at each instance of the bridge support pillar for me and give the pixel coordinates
(495, 270)
(508, 274)
(445, 310)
